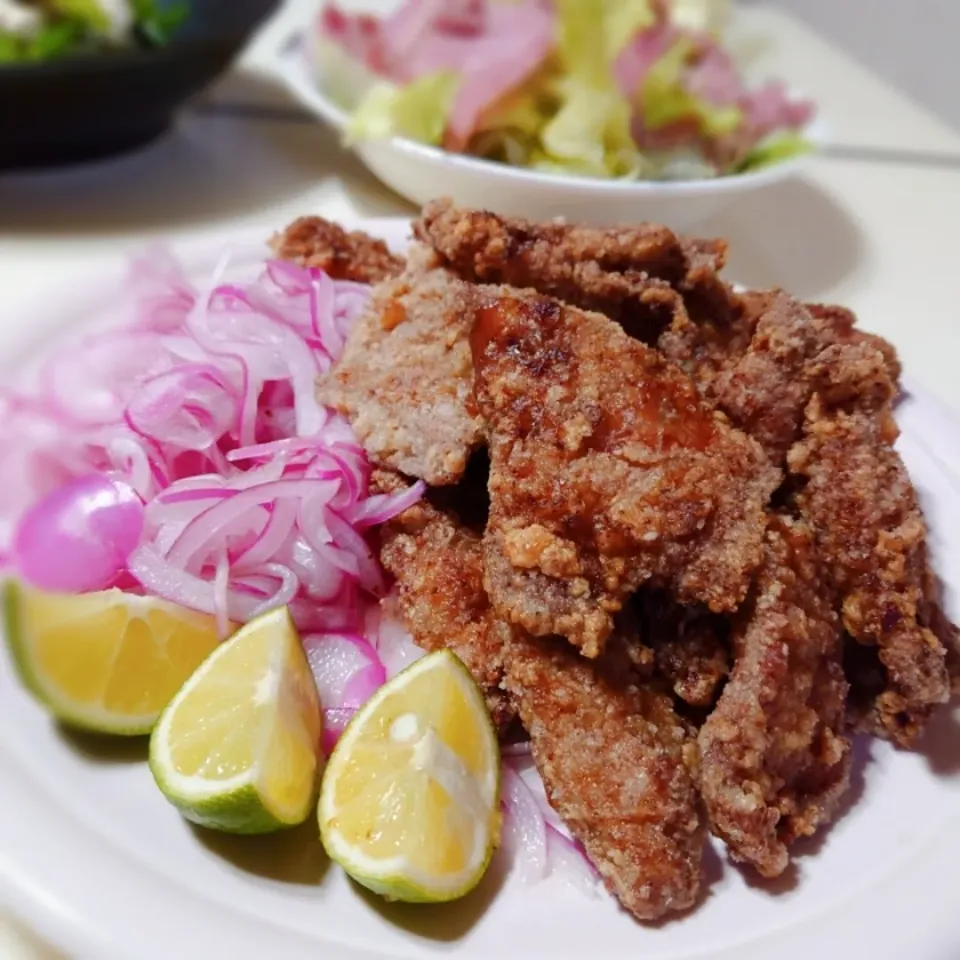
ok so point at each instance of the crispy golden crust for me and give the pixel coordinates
(759, 365)
(765, 391)
(688, 645)
(858, 498)
(406, 377)
(616, 763)
(606, 471)
(624, 272)
(315, 242)
(837, 325)
(438, 565)
(774, 758)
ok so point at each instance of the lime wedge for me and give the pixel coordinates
(409, 805)
(237, 748)
(108, 661)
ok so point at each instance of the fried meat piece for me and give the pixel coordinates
(626, 272)
(315, 242)
(616, 763)
(837, 325)
(606, 471)
(438, 566)
(688, 646)
(858, 497)
(760, 366)
(774, 758)
(406, 376)
(765, 390)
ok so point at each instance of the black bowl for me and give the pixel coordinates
(94, 105)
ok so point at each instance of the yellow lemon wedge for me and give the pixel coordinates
(107, 661)
(409, 805)
(237, 748)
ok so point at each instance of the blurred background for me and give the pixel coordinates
(913, 45)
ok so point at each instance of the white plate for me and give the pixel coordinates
(420, 173)
(95, 859)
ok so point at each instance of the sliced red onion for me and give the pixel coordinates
(394, 645)
(255, 494)
(345, 667)
(221, 596)
(189, 407)
(524, 836)
(566, 859)
(334, 723)
(79, 537)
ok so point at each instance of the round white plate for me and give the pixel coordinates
(93, 857)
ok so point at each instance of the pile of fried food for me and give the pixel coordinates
(666, 526)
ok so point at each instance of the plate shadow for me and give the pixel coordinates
(293, 856)
(442, 922)
(791, 235)
(104, 748)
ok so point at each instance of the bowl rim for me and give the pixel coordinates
(293, 68)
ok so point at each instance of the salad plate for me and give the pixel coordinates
(323, 79)
(93, 857)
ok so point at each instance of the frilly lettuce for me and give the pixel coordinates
(418, 110)
(664, 99)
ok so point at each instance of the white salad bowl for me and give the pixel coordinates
(421, 173)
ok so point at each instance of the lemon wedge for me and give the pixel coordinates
(107, 661)
(409, 805)
(237, 748)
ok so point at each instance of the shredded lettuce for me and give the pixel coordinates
(580, 35)
(775, 149)
(664, 99)
(590, 134)
(418, 110)
(622, 19)
(588, 26)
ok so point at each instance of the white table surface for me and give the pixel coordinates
(873, 225)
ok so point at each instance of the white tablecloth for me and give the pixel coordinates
(873, 225)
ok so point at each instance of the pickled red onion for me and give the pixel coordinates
(248, 493)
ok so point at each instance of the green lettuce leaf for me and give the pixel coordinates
(588, 26)
(86, 12)
(622, 19)
(775, 149)
(580, 36)
(590, 134)
(664, 100)
(417, 111)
